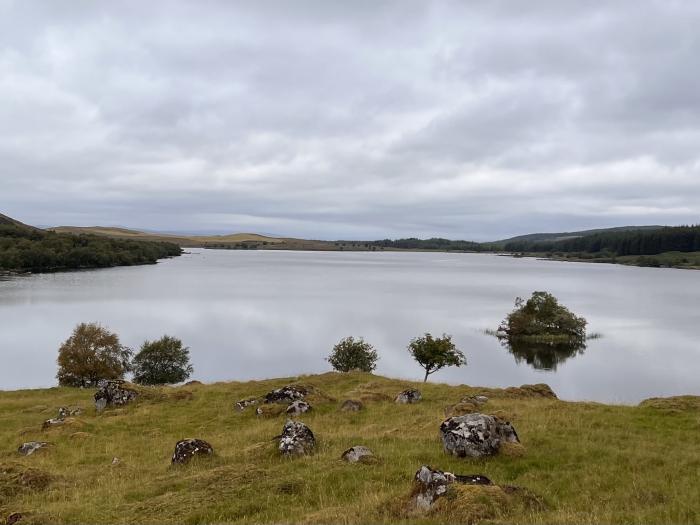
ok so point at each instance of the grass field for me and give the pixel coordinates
(585, 462)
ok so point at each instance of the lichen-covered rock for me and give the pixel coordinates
(286, 394)
(186, 449)
(408, 396)
(64, 412)
(430, 484)
(298, 407)
(352, 405)
(53, 422)
(28, 448)
(113, 392)
(358, 453)
(475, 435)
(245, 403)
(296, 439)
(477, 399)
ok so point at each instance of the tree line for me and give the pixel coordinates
(619, 243)
(435, 243)
(30, 249)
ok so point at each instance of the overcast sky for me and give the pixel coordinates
(352, 119)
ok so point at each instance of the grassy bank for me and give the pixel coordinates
(585, 462)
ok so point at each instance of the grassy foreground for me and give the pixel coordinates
(585, 462)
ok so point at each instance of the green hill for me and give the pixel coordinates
(578, 463)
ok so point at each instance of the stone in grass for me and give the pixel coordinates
(272, 410)
(476, 435)
(358, 453)
(352, 405)
(28, 448)
(296, 439)
(186, 449)
(113, 392)
(408, 396)
(245, 403)
(53, 422)
(13, 518)
(431, 483)
(64, 412)
(286, 394)
(298, 407)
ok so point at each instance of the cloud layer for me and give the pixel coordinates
(350, 119)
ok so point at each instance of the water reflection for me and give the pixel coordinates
(542, 356)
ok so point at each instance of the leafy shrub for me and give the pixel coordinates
(160, 362)
(350, 354)
(433, 354)
(91, 353)
(541, 319)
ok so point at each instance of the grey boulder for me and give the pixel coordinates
(356, 454)
(352, 405)
(186, 449)
(296, 439)
(28, 448)
(475, 435)
(113, 392)
(432, 483)
(298, 407)
(408, 396)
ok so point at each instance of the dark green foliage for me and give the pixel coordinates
(428, 244)
(619, 243)
(162, 362)
(350, 354)
(91, 353)
(434, 354)
(23, 248)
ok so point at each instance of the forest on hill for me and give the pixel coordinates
(27, 249)
(620, 243)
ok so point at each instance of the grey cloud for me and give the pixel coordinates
(350, 119)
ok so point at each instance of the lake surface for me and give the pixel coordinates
(262, 314)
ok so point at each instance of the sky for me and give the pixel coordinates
(350, 120)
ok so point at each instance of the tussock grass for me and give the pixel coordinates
(580, 462)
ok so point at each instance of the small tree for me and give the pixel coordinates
(434, 354)
(350, 354)
(162, 362)
(91, 353)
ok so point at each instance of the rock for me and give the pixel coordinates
(286, 394)
(64, 412)
(477, 400)
(408, 396)
(28, 448)
(475, 435)
(432, 483)
(357, 453)
(113, 393)
(298, 407)
(186, 449)
(352, 405)
(13, 518)
(52, 423)
(245, 403)
(116, 460)
(296, 439)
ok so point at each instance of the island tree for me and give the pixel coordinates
(160, 362)
(350, 354)
(434, 354)
(91, 353)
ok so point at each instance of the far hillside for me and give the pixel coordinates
(25, 248)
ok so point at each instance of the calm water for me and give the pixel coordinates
(257, 314)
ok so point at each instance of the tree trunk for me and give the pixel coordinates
(425, 379)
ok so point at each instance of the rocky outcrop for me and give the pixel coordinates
(113, 392)
(352, 405)
(64, 412)
(408, 396)
(286, 394)
(430, 484)
(186, 449)
(475, 435)
(296, 439)
(53, 422)
(358, 453)
(245, 403)
(298, 407)
(28, 448)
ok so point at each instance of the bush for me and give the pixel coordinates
(91, 353)
(541, 319)
(433, 354)
(350, 354)
(160, 362)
